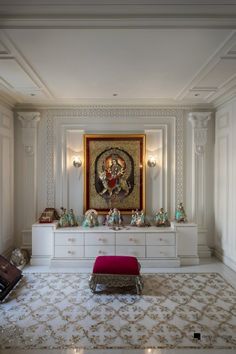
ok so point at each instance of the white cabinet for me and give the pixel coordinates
(187, 248)
(42, 243)
(68, 244)
(99, 250)
(130, 238)
(161, 244)
(98, 238)
(154, 247)
(161, 238)
(131, 250)
(131, 244)
(69, 251)
(99, 244)
(69, 239)
(161, 251)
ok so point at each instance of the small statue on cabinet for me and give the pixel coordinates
(133, 218)
(71, 218)
(48, 215)
(114, 218)
(90, 218)
(138, 219)
(180, 215)
(63, 221)
(107, 218)
(67, 219)
(141, 219)
(161, 218)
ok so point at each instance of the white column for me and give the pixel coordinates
(26, 170)
(199, 121)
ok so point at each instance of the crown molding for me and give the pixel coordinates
(103, 22)
(222, 101)
(7, 101)
(118, 14)
(26, 107)
(114, 112)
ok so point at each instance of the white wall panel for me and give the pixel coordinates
(6, 180)
(225, 188)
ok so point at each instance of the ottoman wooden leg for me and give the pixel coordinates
(138, 284)
(92, 283)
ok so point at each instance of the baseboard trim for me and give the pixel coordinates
(145, 263)
(225, 259)
(40, 260)
(204, 251)
(189, 260)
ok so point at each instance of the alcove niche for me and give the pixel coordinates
(160, 143)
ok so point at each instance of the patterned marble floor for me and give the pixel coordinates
(206, 265)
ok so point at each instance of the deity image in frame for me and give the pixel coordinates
(114, 172)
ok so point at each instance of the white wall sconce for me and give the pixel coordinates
(77, 161)
(151, 161)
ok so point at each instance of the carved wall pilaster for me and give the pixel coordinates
(26, 169)
(199, 122)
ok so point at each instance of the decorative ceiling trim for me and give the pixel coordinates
(64, 107)
(116, 111)
(212, 62)
(207, 22)
(19, 58)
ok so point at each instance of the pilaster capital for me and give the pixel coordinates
(28, 119)
(199, 121)
(29, 122)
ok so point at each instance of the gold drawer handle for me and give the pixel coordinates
(102, 239)
(132, 239)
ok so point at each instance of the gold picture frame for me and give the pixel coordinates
(114, 172)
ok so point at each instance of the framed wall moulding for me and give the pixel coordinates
(114, 172)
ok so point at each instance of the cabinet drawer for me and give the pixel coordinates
(130, 238)
(69, 238)
(69, 251)
(165, 238)
(99, 250)
(137, 251)
(106, 238)
(161, 251)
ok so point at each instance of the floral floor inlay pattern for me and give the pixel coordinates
(60, 311)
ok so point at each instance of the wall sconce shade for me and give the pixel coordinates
(151, 161)
(77, 161)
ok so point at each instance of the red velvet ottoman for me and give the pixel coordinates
(116, 271)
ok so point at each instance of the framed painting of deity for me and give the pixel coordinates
(114, 172)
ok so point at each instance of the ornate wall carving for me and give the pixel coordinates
(50, 159)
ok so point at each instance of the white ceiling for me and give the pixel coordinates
(64, 66)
